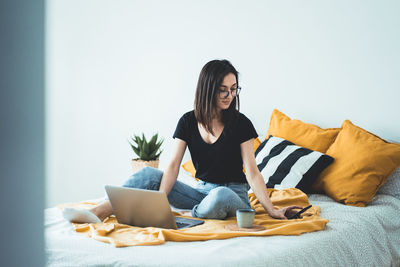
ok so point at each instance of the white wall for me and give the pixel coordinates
(115, 68)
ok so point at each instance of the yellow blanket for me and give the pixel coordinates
(121, 235)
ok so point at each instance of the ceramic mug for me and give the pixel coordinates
(245, 217)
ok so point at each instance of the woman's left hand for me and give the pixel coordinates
(282, 213)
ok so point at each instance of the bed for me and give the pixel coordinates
(355, 236)
(364, 232)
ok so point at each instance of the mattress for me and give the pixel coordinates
(355, 236)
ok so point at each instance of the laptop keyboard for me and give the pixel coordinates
(186, 222)
(181, 225)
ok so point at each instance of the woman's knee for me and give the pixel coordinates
(216, 205)
(146, 178)
(221, 194)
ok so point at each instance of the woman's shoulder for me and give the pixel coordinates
(242, 122)
(238, 121)
(242, 117)
(188, 116)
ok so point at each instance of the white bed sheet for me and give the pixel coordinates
(354, 236)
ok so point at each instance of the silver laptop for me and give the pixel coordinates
(144, 208)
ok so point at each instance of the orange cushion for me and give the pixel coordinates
(188, 165)
(363, 162)
(302, 134)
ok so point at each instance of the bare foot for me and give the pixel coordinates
(80, 215)
(186, 213)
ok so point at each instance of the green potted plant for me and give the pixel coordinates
(148, 152)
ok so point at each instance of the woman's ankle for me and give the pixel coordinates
(102, 210)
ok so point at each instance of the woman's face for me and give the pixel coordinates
(228, 85)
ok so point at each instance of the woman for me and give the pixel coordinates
(220, 139)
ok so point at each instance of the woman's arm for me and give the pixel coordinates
(257, 184)
(171, 173)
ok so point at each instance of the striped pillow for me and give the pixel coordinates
(285, 165)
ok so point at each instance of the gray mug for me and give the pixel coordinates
(245, 217)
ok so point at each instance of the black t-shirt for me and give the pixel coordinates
(220, 162)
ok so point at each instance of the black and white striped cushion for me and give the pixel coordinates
(285, 165)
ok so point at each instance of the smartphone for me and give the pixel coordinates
(297, 215)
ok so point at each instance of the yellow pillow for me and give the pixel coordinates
(363, 162)
(302, 134)
(188, 165)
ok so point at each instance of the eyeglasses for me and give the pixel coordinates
(233, 91)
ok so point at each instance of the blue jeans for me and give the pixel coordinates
(207, 200)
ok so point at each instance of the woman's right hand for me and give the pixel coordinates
(281, 213)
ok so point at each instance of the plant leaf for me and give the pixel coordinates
(153, 155)
(136, 150)
(145, 147)
(158, 155)
(153, 141)
(146, 150)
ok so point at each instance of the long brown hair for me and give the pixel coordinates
(205, 103)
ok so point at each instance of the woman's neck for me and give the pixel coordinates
(217, 116)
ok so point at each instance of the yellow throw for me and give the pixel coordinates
(120, 235)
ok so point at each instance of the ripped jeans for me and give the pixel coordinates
(207, 200)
